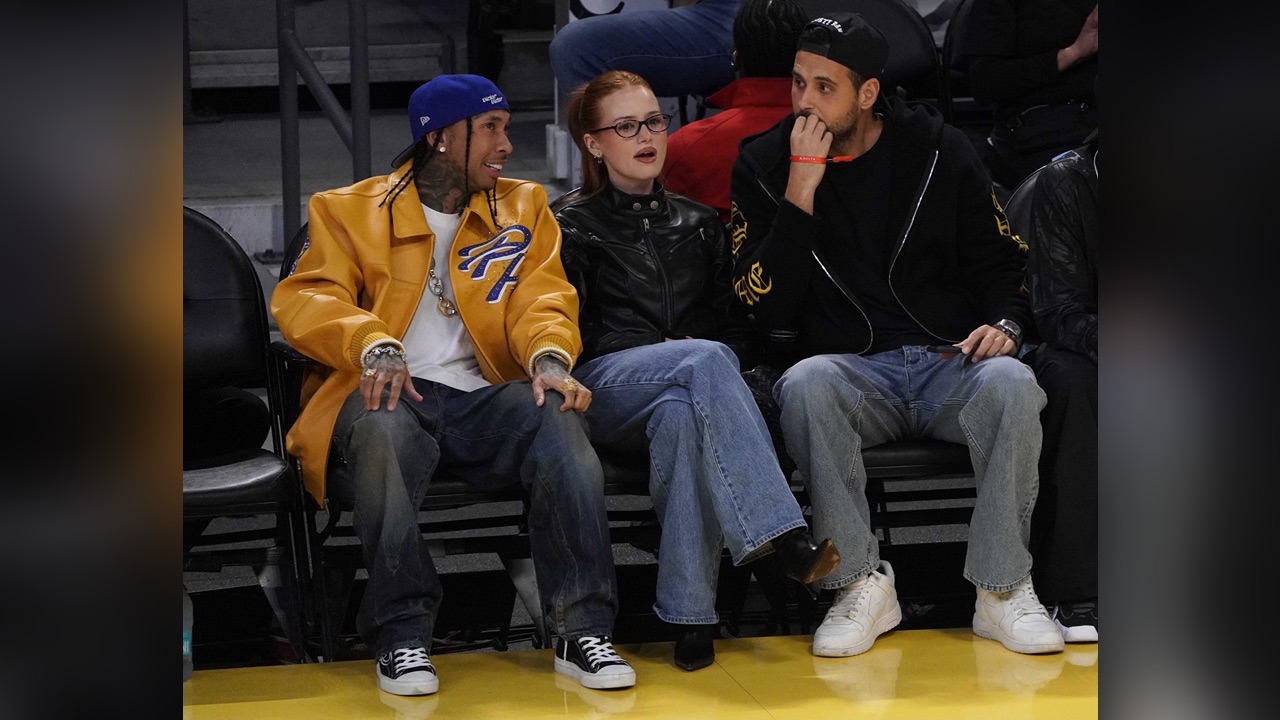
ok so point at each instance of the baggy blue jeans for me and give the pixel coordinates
(493, 436)
(835, 405)
(714, 478)
(678, 51)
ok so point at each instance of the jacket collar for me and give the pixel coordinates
(408, 220)
(644, 205)
(765, 91)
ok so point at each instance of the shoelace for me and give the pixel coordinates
(1025, 602)
(598, 650)
(409, 659)
(847, 604)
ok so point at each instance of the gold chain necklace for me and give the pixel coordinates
(446, 306)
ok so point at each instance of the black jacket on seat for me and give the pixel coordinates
(648, 268)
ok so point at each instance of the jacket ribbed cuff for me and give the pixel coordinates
(549, 344)
(370, 336)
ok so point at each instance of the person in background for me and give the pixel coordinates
(435, 300)
(700, 154)
(658, 323)
(867, 229)
(1037, 61)
(1062, 270)
(681, 50)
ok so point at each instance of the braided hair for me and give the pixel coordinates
(423, 152)
(765, 36)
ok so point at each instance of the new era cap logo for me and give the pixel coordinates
(829, 22)
(424, 119)
(492, 99)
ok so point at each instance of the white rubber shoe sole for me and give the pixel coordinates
(982, 628)
(889, 621)
(427, 685)
(612, 677)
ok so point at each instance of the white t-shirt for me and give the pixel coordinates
(438, 347)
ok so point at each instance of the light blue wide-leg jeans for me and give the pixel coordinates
(714, 478)
(833, 406)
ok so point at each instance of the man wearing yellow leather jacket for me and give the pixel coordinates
(435, 299)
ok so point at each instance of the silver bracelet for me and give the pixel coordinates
(383, 350)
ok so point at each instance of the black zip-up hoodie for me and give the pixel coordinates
(954, 263)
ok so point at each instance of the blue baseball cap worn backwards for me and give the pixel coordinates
(445, 100)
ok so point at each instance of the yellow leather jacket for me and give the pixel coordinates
(362, 275)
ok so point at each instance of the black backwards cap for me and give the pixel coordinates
(847, 39)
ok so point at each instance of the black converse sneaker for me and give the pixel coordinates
(407, 671)
(592, 660)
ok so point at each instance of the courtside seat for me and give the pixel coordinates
(504, 531)
(225, 345)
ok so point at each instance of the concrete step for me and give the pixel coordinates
(233, 43)
(260, 67)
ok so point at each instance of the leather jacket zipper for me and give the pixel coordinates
(667, 320)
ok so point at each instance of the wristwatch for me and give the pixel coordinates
(1010, 328)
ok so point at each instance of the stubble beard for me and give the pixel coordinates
(844, 133)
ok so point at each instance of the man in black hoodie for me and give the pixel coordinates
(866, 230)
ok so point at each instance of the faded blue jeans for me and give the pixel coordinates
(678, 51)
(493, 436)
(714, 478)
(835, 405)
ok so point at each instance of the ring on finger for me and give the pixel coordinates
(569, 385)
(370, 373)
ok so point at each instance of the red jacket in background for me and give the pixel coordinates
(700, 154)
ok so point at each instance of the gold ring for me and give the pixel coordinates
(568, 385)
(370, 373)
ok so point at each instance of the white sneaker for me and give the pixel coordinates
(1017, 620)
(863, 610)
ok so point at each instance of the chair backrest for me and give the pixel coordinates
(956, 43)
(913, 65)
(1018, 208)
(938, 17)
(293, 251)
(225, 332)
(966, 112)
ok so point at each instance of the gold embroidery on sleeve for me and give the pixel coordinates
(739, 222)
(751, 287)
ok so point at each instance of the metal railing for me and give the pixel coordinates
(352, 128)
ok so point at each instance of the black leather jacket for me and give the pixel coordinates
(648, 268)
(1062, 266)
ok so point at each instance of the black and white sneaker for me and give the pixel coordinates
(592, 660)
(407, 671)
(1077, 621)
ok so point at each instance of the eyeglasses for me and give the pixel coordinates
(631, 128)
